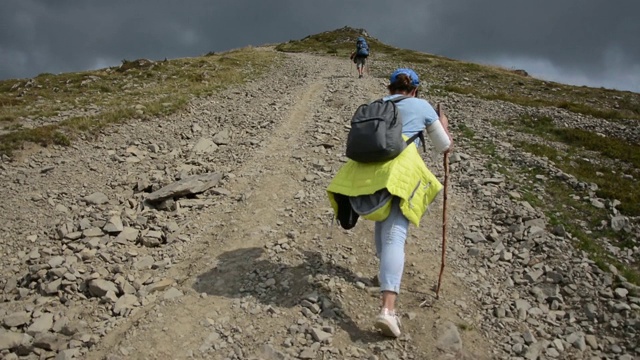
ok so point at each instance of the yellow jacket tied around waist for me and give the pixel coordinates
(406, 177)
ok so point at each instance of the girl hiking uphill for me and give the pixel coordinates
(394, 192)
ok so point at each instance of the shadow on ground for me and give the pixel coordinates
(244, 272)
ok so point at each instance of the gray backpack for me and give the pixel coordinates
(376, 132)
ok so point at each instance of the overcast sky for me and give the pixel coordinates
(584, 42)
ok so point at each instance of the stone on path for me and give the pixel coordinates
(449, 339)
(96, 198)
(100, 287)
(204, 146)
(42, 324)
(10, 340)
(188, 186)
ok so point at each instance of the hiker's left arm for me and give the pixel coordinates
(433, 117)
(445, 125)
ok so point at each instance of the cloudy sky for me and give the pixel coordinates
(584, 42)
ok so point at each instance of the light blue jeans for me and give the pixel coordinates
(390, 236)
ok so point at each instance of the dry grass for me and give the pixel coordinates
(160, 87)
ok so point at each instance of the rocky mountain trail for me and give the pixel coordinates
(553, 289)
(296, 288)
(207, 234)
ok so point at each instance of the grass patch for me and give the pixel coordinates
(44, 136)
(559, 205)
(539, 149)
(610, 186)
(613, 148)
(599, 113)
(563, 210)
(486, 147)
(335, 43)
(531, 197)
(630, 112)
(466, 131)
(341, 42)
(156, 88)
(7, 118)
(608, 160)
(556, 198)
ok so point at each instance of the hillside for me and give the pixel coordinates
(177, 209)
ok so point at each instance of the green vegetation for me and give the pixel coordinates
(467, 135)
(613, 148)
(611, 114)
(339, 43)
(138, 88)
(562, 208)
(622, 188)
(465, 131)
(465, 327)
(590, 157)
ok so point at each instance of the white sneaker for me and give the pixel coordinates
(389, 323)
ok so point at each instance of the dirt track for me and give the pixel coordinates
(226, 256)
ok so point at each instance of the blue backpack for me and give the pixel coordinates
(362, 48)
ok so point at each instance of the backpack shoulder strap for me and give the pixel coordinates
(418, 135)
(399, 98)
(415, 136)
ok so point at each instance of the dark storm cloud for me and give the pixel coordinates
(571, 38)
(578, 41)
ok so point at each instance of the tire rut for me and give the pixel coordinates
(264, 180)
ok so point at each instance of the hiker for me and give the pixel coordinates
(394, 193)
(359, 56)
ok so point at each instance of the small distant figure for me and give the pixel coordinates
(360, 55)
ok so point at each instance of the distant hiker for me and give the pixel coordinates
(395, 192)
(360, 55)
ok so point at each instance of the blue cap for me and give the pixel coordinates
(360, 39)
(415, 81)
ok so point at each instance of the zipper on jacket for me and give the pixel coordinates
(413, 193)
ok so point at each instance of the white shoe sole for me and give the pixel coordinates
(385, 327)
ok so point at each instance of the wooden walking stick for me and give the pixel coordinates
(444, 211)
